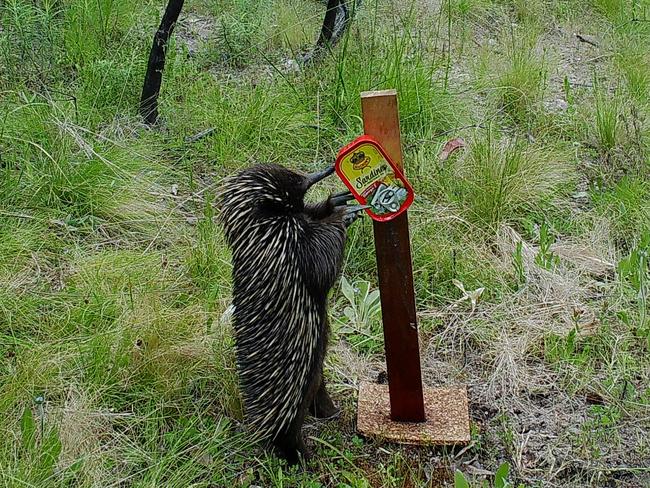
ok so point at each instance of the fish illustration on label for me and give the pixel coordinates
(374, 179)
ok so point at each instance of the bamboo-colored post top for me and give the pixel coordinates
(379, 93)
(381, 121)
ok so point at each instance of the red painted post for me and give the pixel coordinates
(393, 250)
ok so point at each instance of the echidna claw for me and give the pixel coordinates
(352, 213)
(356, 208)
(341, 198)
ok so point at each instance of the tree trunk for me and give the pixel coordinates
(156, 65)
(328, 23)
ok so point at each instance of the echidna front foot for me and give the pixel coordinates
(351, 213)
(341, 198)
(322, 406)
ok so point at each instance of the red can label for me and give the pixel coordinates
(374, 179)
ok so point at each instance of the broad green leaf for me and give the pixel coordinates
(376, 308)
(350, 314)
(459, 480)
(363, 287)
(501, 476)
(373, 298)
(347, 290)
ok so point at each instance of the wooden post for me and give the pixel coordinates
(403, 412)
(393, 250)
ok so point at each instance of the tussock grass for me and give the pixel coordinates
(497, 180)
(521, 83)
(608, 126)
(635, 66)
(513, 73)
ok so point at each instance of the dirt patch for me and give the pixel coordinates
(195, 30)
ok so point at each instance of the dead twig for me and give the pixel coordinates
(586, 39)
(200, 135)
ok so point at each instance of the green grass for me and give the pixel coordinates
(608, 123)
(499, 180)
(514, 75)
(116, 359)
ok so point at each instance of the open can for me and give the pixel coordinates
(374, 179)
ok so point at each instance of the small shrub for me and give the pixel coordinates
(362, 329)
(546, 258)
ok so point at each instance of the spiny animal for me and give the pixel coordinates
(286, 256)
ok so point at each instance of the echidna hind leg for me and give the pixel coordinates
(291, 446)
(322, 406)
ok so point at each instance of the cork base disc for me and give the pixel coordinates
(446, 410)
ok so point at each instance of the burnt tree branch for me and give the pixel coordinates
(338, 16)
(156, 64)
(328, 23)
(337, 19)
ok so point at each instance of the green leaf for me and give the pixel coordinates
(347, 290)
(350, 314)
(373, 298)
(624, 317)
(357, 441)
(501, 476)
(374, 304)
(459, 480)
(50, 451)
(374, 310)
(571, 342)
(28, 428)
(364, 288)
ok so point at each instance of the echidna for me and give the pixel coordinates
(286, 256)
